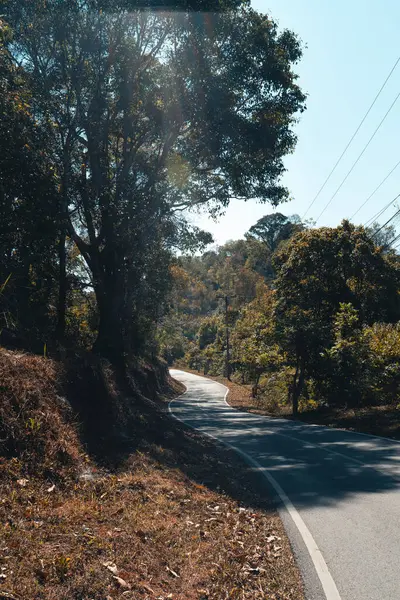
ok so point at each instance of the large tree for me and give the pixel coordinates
(152, 114)
(317, 271)
(275, 228)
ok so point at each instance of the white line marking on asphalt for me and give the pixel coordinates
(303, 441)
(321, 568)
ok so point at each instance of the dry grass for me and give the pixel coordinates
(167, 536)
(36, 422)
(177, 518)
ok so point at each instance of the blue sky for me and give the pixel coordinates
(350, 47)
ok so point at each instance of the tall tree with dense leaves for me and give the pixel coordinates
(275, 228)
(153, 114)
(316, 272)
(254, 347)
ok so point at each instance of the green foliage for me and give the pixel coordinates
(325, 332)
(346, 378)
(149, 114)
(28, 209)
(384, 362)
(316, 272)
(209, 332)
(275, 228)
(254, 350)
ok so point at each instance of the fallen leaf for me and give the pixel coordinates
(172, 572)
(121, 582)
(22, 482)
(111, 567)
(148, 588)
(271, 538)
(3, 576)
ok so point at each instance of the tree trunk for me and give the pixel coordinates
(297, 386)
(254, 388)
(110, 300)
(62, 288)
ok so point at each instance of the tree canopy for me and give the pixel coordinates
(150, 114)
(308, 326)
(275, 228)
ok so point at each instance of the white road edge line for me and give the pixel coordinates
(306, 443)
(368, 435)
(321, 568)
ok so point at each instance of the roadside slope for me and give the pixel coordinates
(163, 516)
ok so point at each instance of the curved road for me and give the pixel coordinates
(338, 491)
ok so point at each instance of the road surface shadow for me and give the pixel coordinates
(315, 465)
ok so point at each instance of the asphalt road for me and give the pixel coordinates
(338, 492)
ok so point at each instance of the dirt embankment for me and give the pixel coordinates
(147, 510)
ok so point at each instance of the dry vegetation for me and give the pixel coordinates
(168, 518)
(37, 429)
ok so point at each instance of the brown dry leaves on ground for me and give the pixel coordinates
(146, 533)
(179, 518)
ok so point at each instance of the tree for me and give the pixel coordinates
(382, 235)
(383, 368)
(152, 114)
(254, 348)
(274, 228)
(347, 375)
(316, 271)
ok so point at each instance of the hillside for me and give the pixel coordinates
(156, 513)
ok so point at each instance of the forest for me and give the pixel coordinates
(307, 316)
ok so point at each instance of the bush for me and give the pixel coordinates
(384, 368)
(273, 390)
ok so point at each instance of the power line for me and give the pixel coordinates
(389, 245)
(387, 222)
(380, 213)
(358, 158)
(352, 138)
(393, 241)
(375, 190)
